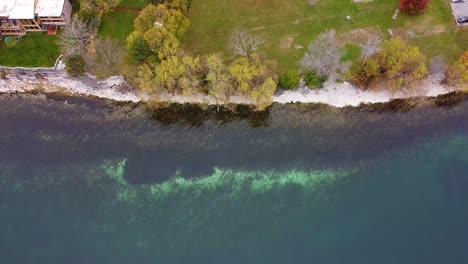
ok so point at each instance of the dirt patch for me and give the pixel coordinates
(286, 42)
(359, 35)
(258, 28)
(425, 27)
(418, 31)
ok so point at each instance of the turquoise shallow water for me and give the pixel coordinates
(79, 185)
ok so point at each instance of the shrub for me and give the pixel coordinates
(313, 81)
(290, 80)
(10, 42)
(75, 65)
(413, 6)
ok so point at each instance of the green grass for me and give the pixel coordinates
(134, 4)
(32, 50)
(212, 21)
(117, 25)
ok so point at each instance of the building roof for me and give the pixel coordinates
(5, 7)
(49, 8)
(24, 9)
(17, 9)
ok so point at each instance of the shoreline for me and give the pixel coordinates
(50, 80)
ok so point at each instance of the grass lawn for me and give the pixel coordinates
(117, 25)
(288, 26)
(134, 4)
(32, 50)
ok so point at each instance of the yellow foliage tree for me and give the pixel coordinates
(162, 29)
(397, 65)
(263, 94)
(172, 75)
(218, 79)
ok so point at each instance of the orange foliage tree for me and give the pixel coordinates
(413, 6)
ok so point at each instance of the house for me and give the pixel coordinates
(20, 16)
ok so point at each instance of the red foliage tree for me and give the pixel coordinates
(413, 6)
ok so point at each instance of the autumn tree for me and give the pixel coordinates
(247, 73)
(219, 82)
(105, 58)
(253, 77)
(458, 72)
(161, 42)
(263, 93)
(181, 75)
(243, 43)
(397, 65)
(413, 6)
(181, 5)
(324, 56)
(161, 28)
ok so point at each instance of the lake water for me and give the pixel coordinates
(88, 182)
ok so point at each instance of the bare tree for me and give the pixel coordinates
(324, 56)
(75, 37)
(243, 43)
(105, 58)
(370, 47)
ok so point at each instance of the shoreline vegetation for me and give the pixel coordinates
(49, 80)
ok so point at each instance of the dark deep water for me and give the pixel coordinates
(88, 182)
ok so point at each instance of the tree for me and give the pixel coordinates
(161, 42)
(105, 58)
(75, 65)
(218, 80)
(243, 71)
(242, 43)
(137, 47)
(458, 72)
(263, 94)
(413, 6)
(102, 6)
(371, 47)
(290, 80)
(160, 17)
(324, 56)
(181, 5)
(161, 28)
(90, 16)
(251, 77)
(172, 75)
(397, 65)
(75, 37)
